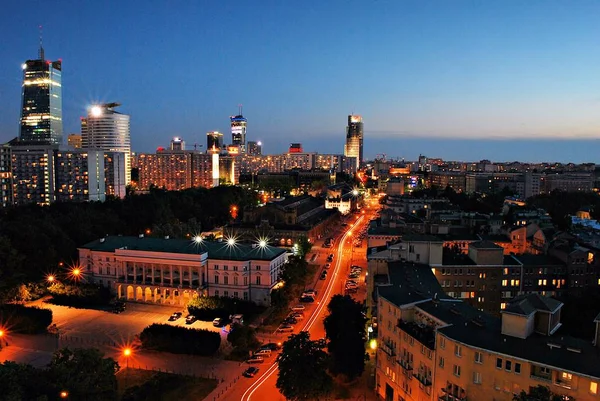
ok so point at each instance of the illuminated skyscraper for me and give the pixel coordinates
(254, 148)
(238, 131)
(354, 139)
(41, 112)
(105, 129)
(214, 141)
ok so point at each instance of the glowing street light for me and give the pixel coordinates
(76, 272)
(373, 344)
(64, 394)
(50, 278)
(231, 241)
(198, 239)
(355, 192)
(127, 353)
(262, 243)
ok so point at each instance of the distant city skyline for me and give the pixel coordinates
(421, 75)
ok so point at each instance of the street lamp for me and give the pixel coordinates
(50, 278)
(231, 241)
(127, 353)
(198, 239)
(262, 243)
(64, 394)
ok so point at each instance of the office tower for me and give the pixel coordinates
(354, 139)
(295, 148)
(238, 131)
(214, 141)
(254, 148)
(177, 144)
(74, 141)
(41, 112)
(108, 130)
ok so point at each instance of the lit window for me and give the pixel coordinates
(503, 305)
(504, 283)
(594, 388)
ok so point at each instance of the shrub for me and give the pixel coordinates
(209, 308)
(80, 296)
(180, 340)
(25, 319)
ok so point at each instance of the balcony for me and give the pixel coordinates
(421, 378)
(387, 348)
(448, 396)
(541, 376)
(423, 334)
(406, 365)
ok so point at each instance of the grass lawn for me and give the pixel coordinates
(163, 386)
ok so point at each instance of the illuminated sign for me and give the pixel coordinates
(355, 119)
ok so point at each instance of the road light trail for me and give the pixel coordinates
(313, 318)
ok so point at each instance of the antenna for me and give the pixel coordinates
(41, 51)
(240, 107)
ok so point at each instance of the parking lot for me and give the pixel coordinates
(102, 326)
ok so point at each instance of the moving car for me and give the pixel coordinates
(285, 328)
(218, 322)
(175, 316)
(251, 371)
(190, 319)
(298, 308)
(256, 359)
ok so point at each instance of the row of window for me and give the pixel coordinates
(235, 280)
(235, 294)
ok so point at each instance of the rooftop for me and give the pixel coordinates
(484, 245)
(528, 303)
(528, 259)
(216, 250)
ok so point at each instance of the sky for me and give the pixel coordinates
(462, 80)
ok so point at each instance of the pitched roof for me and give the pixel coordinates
(526, 304)
(216, 250)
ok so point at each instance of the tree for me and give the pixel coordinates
(16, 382)
(243, 337)
(345, 328)
(541, 393)
(304, 246)
(303, 369)
(85, 373)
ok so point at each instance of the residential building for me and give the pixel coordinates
(6, 176)
(172, 271)
(254, 148)
(75, 141)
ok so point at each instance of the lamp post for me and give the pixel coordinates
(127, 353)
(64, 394)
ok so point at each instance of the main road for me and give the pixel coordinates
(263, 387)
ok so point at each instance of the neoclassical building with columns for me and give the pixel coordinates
(172, 271)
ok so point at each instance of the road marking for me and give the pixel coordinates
(250, 391)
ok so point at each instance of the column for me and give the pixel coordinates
(191, 277)
(123, 266)
(134, 273)
(181, 276)
(171, 266)
(153, 273)
(162, 275)
(144, 267)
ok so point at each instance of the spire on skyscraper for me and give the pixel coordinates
(41, 51)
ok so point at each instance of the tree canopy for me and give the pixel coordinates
(345, 327)
(541, 393)
(303, 369)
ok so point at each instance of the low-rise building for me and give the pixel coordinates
(172, 271)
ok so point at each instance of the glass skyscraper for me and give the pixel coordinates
(41, 113)
(354, 139)
(238, 132)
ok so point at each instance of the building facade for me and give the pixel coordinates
(172, 272)
(254, 148)
(75, 141)
(214, 141)
(238, 131)
(41, 111)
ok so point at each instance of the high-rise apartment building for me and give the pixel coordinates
(254, 148)
(354, 139)
(74, 141)
(6, 182)
(108, 130)
(214, 141)
(41, 111)
(238, 131)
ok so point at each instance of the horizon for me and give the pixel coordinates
(435, 82)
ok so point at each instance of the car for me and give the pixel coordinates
(356, 267)
(331, 255)
(250, 372)
(264, 352)
(323, 276)
(298, 308)
(290, 320)
(297, 316)
(190, 319)
(354, 275)
(256, 359)
(175, 316)
(351, 283)
(272, 346)
(327, 265)
(218, 322)
(309, 293)
(285, 328)
(118, 309)
(307, 299)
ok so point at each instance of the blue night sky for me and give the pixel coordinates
(503, 80)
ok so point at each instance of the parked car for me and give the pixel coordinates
(256, 359)
(272, 346)
(354, 275)
(330, 257)
(285, 328)
(327, 265)
(297, 316)
(218, 322)
(323, 275)
(175, 316)
(309, 293)
(264, 352)
(290, 320)
(351, 289)
(251, 371)
(298, 308)
(190, 319)
(307, 299)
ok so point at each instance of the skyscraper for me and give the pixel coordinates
(41, 112)
(214, 141)
(354, 139)
(108, 130)
(238, 131)
(254, 148)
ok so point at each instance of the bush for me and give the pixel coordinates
(180, 340)
(80, 296)
(25, 319)
(209, 308)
